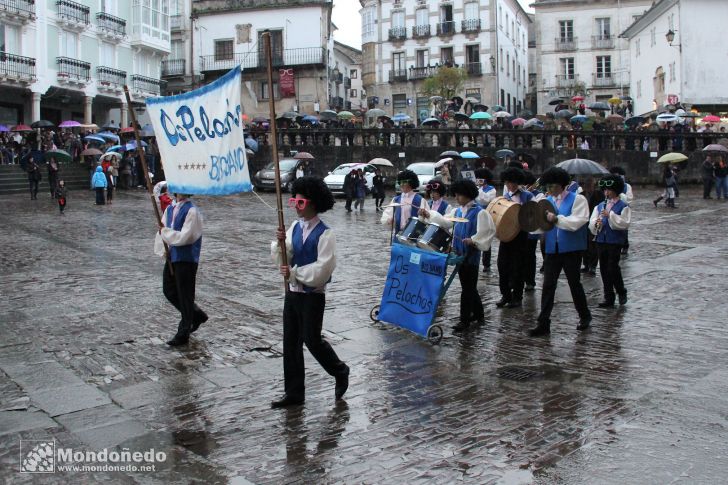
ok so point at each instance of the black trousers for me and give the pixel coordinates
(100, 196)
(33, 188)
(303, 316)
(180, 292)
(512, 267)
(707, 187)
(487, 256)
(471, 306)
(591, 255)
(529, 276)
(349, 200)
(609, 255)
(553, 264)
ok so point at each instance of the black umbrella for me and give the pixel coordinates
(600, 107)
(480, 107)
(554, 102)
(564, 113)
(625, 98)
(461, 117)
(42, 124)
(560, 107)
(449, 153)
(582, 166)
(110, 126)
(505, 153)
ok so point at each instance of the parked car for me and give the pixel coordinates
(335, 179)
(425, 171)
(265, 179)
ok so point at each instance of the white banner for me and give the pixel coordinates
(200, 138)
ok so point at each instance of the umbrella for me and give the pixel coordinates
(615, 101)
(42, 124)
(525, 113)
(469, 155)
(21, 128)
(95, 138)
(688, 114)
(715, 148)
(263, 119)
(116, 148)
(399, 117)
(310, 119)
(579, 119)
(502, 114)
(564, 113)
(4, 128)
(480, 107)
(672, 157)
(472, 100)
(90, 152)
(666, 118)
(480, 115)
(625, 98)
(147, 131)
(327, 114)
(518, 122)
(252, 143)
(533, 122)
(345, 115)
(577, 98)
(599, 107)
(89, 126)
(303, 156)
(107, 135)
(291, 115)
(707, 119)
(461, 117)
(110, 155)
(442, 162)
(375, 113)
(449, 153)
(128, 129)
(59, 155)
(635, 120)
(436, 99)
(497, 108)
(69, 124)
(616, 119)
(132, 145)
(555, 102)
(110, 126)
(505, 153)
(431, 121)
(382, 162)
(581, 166)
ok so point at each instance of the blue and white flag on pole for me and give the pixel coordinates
(200, 138)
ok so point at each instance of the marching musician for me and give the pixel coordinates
(627, 196)
(486, 193)
(435, 193)
(529, 275)
(609, 223)
(512, 254)
(311, 250)
(564, 246)
(404, 205)
(469, 239)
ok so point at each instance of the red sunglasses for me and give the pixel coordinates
(299, 204)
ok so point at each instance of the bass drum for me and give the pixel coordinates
(435, 238)
(411, 232)
(505, 216)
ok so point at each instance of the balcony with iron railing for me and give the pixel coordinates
(146, 85)
(566, 80)
(16, 68)
(347, 83)
(256, 60)
(473, 68)
(110, 25)
(470, 25)
(446, 28)
(397, 75)
(173, 67)
(603, 80)
(565, 43)
(72, 13)
(176, 22)
(14, 10)
(398, 33)
(73, 71)
(603, 42)
(110, 79)
(420, 31)
(421, 72)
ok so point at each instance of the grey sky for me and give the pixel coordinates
(346, 18)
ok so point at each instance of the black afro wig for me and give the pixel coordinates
(314, 189)
(528, 177)
(555, 175)
(512, 174)
(618, 171)
(409, 176)
(484, 173)
(617, 183)
(514, 164)
(465, 187)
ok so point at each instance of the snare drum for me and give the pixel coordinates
(411, 232)
(435, 238)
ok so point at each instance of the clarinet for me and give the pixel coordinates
(599, 224)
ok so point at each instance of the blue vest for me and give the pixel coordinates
(568, 241)
(191, 252)
(465, 230)
(443, 206)
(306, 252)
(608, 235)
(416, 201)
(524, 195)
(573, 187)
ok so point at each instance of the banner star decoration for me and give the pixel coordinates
(193, 166)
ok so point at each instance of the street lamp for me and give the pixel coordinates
(492, 62)
(670, 36)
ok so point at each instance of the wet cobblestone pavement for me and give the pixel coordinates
(642, 397)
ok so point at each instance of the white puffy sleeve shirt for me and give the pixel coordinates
(618, 222)
(191, 231)
(315, 274)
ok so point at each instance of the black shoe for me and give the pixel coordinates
(178, 340)
(286, 401)
(502, 302)
(606, 304)
(585, 270)
(342, 384)
(593, 272)
(199, 322)
(623, 299)
(540, 330)
(529, 287)
(515, 304)
(540, 270)
(584, 323)
(486, 269)
(625, 252)
(479, 321)
(461, 326)
(655, 202)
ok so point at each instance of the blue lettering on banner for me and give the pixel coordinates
(188, 125)
(412, 290)
(222, 166)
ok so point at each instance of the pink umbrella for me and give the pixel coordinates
(711, 119)
(518, 122)
(69, 124)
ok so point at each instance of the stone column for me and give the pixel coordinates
(124, 114)
(87, 103)
(35, 111)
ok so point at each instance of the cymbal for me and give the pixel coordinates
(455, 219)
(393, 204)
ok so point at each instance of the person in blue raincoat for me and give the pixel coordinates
(98, 183)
